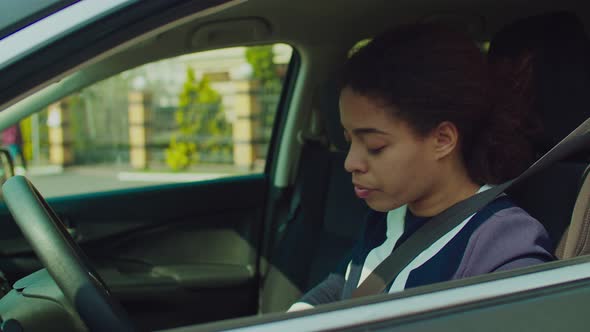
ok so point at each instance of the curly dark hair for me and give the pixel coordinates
(431, 74)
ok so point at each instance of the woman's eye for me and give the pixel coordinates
(375, 151)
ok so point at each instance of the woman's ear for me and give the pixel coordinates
(446, 138)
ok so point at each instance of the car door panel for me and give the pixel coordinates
(186, 251)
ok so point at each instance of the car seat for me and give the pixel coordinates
(560, 52)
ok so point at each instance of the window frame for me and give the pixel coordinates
(281, 110)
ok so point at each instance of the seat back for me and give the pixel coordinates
(576, 240)
(560, 51)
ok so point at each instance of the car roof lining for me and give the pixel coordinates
(324, 21)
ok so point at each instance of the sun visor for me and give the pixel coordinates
(474, 25)
(228, 33)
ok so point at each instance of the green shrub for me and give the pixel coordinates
(202, 127)
(179, 155)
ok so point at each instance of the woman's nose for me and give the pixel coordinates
(354, 162)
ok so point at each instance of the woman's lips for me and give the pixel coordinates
(362, 192)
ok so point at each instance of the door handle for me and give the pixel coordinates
(70, 228)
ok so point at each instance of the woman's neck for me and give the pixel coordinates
(452, 189)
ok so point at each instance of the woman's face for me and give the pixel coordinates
(390, 164)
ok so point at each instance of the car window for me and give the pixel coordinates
(195, 117)
(358, 45)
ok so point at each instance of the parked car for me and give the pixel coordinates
(232, 252)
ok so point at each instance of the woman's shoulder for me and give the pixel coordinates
(506, 217)
(508, 238)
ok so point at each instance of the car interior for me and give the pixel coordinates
(181, 254)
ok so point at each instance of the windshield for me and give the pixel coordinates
(52, 25)
(15, 15)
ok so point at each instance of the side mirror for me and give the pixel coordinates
(6, 165)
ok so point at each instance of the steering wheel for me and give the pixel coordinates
(66, 263)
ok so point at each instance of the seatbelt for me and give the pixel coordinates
(387, 271)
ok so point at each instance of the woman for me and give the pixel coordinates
(429, 126)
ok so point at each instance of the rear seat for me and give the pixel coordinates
(576, 240)
(561, 86)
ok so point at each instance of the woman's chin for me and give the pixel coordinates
(381, 205)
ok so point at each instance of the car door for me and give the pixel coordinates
(161, 173)
(538, 298)
(171, 254)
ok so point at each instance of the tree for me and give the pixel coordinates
(202, 127)
(266, 72)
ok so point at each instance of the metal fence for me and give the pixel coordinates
(100, 133)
